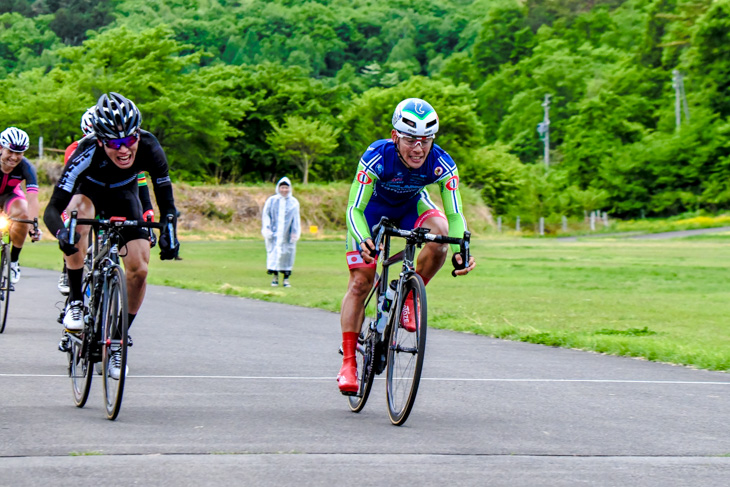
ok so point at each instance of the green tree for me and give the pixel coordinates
(504, 37)
(303, 142)
(498, 174)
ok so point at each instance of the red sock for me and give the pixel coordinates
(349, 344)
(425, 281)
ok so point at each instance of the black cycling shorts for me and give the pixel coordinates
(117, 202)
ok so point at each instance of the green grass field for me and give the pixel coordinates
(663, 300)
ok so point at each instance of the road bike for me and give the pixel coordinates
(105, 312)
(384, 340)
(5, 285)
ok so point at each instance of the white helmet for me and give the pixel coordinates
(86, 121)
(414, 116)
(14, 139)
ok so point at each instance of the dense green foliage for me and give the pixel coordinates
(227, 85)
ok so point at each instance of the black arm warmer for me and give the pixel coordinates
(165, 200)
(52, 216)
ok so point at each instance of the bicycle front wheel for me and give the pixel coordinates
(114, 343)
(406, 350)
(5, 285)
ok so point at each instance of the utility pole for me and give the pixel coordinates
(680, 99)
(543, 128)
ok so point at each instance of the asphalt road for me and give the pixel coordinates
(231, 391)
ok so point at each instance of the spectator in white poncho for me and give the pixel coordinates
(281, 229)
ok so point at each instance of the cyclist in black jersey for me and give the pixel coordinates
(87, 128)
(103, 171)
(14, 169)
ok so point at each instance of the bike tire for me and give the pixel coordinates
(114, 326)
(80, 368)
(406, 352)
(365, 373)
(5, 286)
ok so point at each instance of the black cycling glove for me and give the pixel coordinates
(456, 265)
(64, 237)
(169, 245)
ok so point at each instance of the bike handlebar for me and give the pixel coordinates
(419, 236)
(33, 222)
(113, 222)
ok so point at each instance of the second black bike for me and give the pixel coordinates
(104, 337)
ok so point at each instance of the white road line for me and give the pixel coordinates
(431, 379)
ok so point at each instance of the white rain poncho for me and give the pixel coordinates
(281, 228)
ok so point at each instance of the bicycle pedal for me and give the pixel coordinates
(348, 393)
(341, 352)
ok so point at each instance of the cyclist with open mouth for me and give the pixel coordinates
(103, 170)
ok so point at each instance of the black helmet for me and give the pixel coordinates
(115, 117)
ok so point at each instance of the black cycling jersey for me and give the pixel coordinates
(90, 172)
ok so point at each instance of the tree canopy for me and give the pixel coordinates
(241, 91)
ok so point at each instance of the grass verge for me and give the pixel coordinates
(666, 301)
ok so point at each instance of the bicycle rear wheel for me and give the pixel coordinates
(114, 326)
(405, 351)
(5, 285)
(80, 368)
(365, 372)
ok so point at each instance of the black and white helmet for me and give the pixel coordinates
(87, 121)
(115, 117)
(14, 139)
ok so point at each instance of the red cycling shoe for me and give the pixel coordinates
(347, 379)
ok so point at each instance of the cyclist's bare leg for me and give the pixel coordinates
(18, 231)
(433, 255)
(136, 256)
(353, 311)
(351, 318)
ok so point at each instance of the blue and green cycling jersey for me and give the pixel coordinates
(383, 180)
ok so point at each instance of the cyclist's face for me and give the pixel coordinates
(10, 159)
(123, 157)
(413, 150)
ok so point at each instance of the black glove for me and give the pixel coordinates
(169, 245)
(64, 238)
(456, 265)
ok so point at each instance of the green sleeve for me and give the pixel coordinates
(453, 208)
(360, 192)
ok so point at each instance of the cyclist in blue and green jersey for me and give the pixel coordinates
(391, 181)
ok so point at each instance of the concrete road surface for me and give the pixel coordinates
(231, 391)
